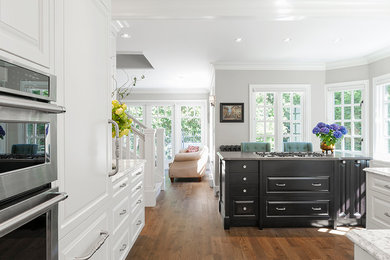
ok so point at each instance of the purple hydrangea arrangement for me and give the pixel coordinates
(2, 132)
(329, 134)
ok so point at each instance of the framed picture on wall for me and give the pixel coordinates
(231, 113)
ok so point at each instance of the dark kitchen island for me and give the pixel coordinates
(292, 189)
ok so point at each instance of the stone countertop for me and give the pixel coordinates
(375, 242)
(127, 165)
(232, 156)
(379, 171)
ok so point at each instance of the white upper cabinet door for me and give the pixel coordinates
(26, 29)
(87, 134)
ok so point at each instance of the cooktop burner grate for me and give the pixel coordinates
(290, 154)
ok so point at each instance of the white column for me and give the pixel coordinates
(149, 179)
(160, 152)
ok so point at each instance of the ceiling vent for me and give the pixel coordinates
(132, 61)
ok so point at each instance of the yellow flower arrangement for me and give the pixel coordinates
(119, 116)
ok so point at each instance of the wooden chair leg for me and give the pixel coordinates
(172, 179)
(200, 179)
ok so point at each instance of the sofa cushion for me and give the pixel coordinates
(192, 149)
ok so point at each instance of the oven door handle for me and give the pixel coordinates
(20, 219)
(7, 101)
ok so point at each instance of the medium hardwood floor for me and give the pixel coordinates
(186, 224)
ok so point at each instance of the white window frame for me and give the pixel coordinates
(379, 148)
(306, 109)
(345, 86)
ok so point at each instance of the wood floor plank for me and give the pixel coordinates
(186, 224)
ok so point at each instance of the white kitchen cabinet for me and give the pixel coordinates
(84, 240)
(27, 31)
(378, 198)
(84, 143)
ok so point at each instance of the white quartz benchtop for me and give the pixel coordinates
(126, 166)
(379, 171)
(376, 242)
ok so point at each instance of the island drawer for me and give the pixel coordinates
(244, 190)
(298, 184)
(243, 166)
(245, 208)
(298, 208)
(297, 168)
(244, 178)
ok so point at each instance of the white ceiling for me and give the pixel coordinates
(182, 38)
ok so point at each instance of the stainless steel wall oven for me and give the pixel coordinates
(28, 164)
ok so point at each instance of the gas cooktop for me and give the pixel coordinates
(290, 154)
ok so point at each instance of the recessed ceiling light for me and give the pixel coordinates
(125, 35)
(238, 39)
(287, 40)
(337, 40)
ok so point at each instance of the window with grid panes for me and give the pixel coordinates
(279, 117)
(191, 125)
(162, 118)
(138, 113)
(35, 134)
(347, 111)
(382, 146)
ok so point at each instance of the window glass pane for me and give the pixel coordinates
(357, 127)
(338, 145)
(260, 128)
(347, 97)
(286, 113)
(357, 96)
(296, 128)
(388, 128)
(388, 92)
(286, 100)
(296, 99)
(270, 114)
(271, 140)
(286, 139)
(388, 110)
(337, 113)
(347, 112)
(270, 128)
(260, 99)
(270, 99)
(286, 128)
(30, 130)
(259, 113)
(357, 111)
(348, 126)
(161, 118)
(357, 144)
(297, 113)
(337, 98)
(347, 143)
(388, 145)
(260, 139)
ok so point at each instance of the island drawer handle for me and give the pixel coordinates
(138, 173)
(139, 187)
(123, 247)
(281, 184)
(387, 186)
(103, 237)
(316, 209)
(244, 208)
(281, 209)
(139, 222)
(244, 178)
(244, 166)
(138, 202)
(316, 184)
(123, 212)
(244, 190)
(387, 214)
(123, 185)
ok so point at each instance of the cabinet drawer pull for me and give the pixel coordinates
(281, 184)
(138, 173)
(123, 185)
(281, 209)
(103, 237)
(316, 184)
(244, 166)
(387, 186)
(244, 208)
(244, 178)
(244, 190)
(123, 212)
(315, 209)
(139, 187)
(123, 247)
(138, 202)
(387, 214)
(139, 222)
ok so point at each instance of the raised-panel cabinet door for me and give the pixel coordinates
(87, 101)
(25, 29)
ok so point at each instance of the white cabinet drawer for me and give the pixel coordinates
(121, 187)
(137, 225)
(379, 183)
(136, 176)
(121, 213)
(84, 238)
(137, 205)
(136, 190)
(378, 210)
(121, 245)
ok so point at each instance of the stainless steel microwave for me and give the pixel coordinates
(20, 80)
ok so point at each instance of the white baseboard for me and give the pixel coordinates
(151, 195)
(216, 191)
